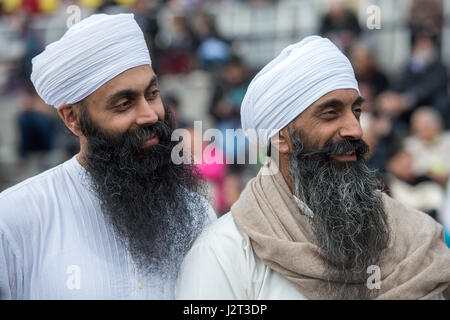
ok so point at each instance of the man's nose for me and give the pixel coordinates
(351, 128)
(145, 113)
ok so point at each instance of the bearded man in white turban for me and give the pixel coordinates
(115, 221)
(314, 223)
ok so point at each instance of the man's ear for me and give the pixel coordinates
(282, 141)
(69, 115)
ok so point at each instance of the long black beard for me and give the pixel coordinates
(350, 224)
(154, 206)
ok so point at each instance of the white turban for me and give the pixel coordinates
(290, 83)
(90, 53)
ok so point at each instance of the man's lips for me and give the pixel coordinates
(150, 142)
(345, 157)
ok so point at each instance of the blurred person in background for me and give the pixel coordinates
(146, 16)
(428, 16)
(12, 49)
(31, 6)
(377, 125)
(30, 37)
(54, 25)
(372, 81)
(379, 136)
(15, 22)
(233, 183)
(430, 145)
(176, 42)
(210, 162)
(340, 24)
(145, 13)
(36, 127)
(114, 221)
(229, 91)
(404, 185)
(423, 81)
(172, 102)
(212, 49)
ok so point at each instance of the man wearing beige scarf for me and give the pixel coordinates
(314, 223)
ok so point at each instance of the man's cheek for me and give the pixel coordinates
(162, 114)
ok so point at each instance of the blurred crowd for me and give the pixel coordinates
(406, 117)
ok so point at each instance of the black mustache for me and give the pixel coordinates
(160, 129)
(338, 148)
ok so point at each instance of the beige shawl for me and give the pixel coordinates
(416, 264)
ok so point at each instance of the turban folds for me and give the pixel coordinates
(300, 75)
(90, 53)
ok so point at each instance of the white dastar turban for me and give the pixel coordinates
(290, 83)
(90, 53)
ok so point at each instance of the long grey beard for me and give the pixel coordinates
(349, 223)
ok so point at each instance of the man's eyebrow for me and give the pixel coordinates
(359, 101)
(329, 103)
(337, 103)
(153, 81)
(129, 92)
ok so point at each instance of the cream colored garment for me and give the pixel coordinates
(416, 264)
(424, 196)
(222, 266)
(430, 157)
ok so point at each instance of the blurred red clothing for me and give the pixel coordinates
(31, 7)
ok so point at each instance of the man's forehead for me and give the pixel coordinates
(135, 79)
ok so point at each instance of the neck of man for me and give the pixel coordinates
(81, 157)
(284, 169)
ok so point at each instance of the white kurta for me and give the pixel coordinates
(222, 265)
(55, 244)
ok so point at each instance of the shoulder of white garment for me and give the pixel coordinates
(15, 198)
(223, 233)
(25, 205)
(21, 209)
(217, 266)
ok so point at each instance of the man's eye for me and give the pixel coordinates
(122, 106)
(330, 113)
(153, 94)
